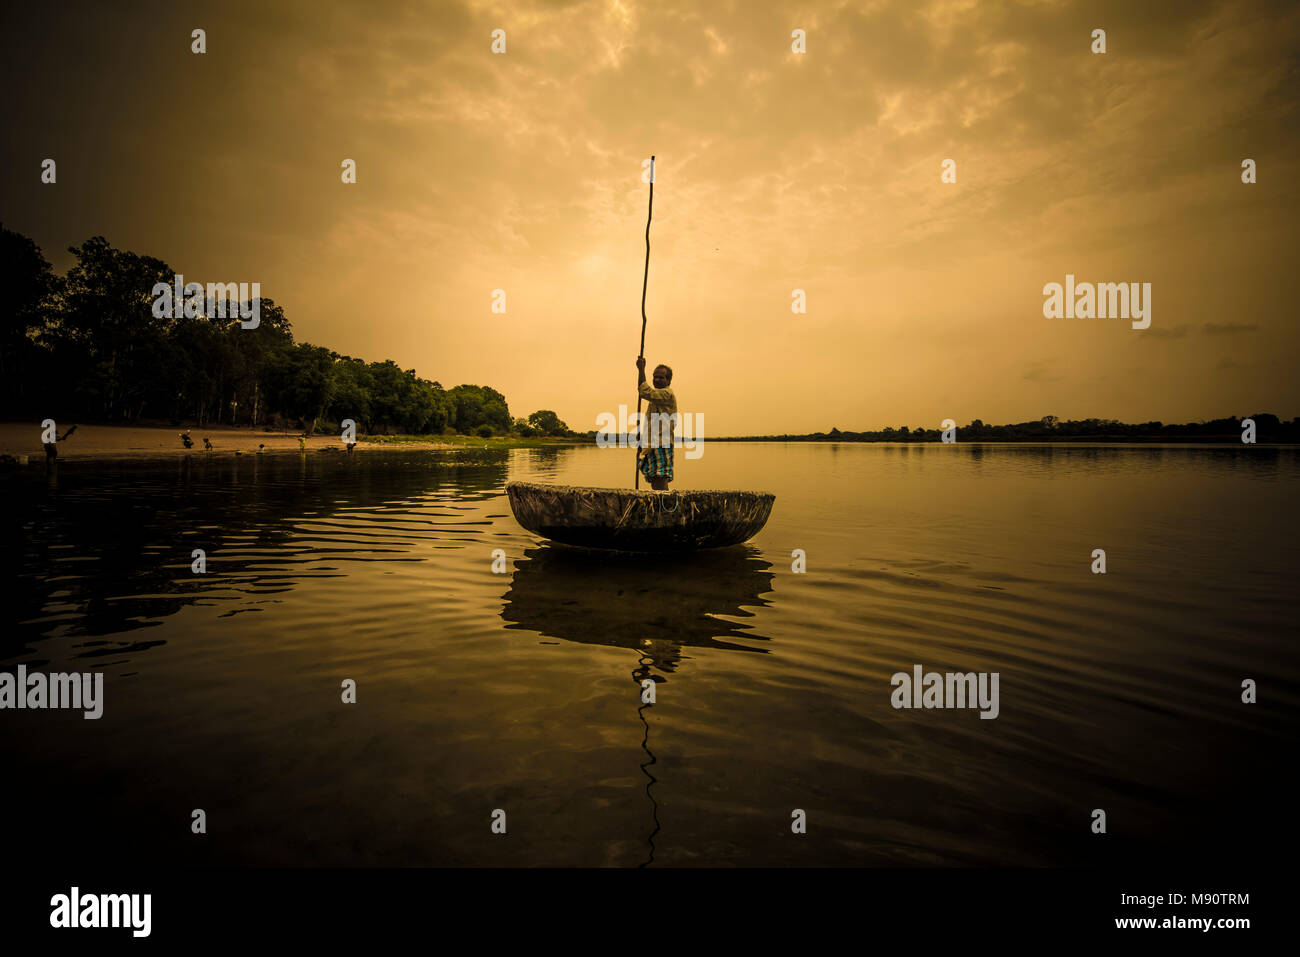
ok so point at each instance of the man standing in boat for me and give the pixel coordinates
(656, 461)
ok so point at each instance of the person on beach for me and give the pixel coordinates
(656, 461)
(51, 448)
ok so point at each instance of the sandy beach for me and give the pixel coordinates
(114, 441)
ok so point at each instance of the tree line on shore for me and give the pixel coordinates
(89, 345)
(1267, 428)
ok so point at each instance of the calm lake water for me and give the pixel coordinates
(522, 691)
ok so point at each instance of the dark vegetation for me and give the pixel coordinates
(1268, 428)
(87, 346)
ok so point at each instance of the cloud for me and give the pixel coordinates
(1038, 373)
(776, 171)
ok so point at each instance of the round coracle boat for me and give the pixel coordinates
(631, 520)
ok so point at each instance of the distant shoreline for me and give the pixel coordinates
(1230, 439)
(19, 439)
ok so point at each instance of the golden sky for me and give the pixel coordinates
(776, 171)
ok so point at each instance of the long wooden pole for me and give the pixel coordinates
(636, 480)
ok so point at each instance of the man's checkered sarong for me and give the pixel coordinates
(657, 463)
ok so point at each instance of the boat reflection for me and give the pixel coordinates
(651, 605)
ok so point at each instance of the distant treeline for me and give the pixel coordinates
(88, 346)
(1268, 428)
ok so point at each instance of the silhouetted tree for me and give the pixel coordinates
(547, 422)
(299, 381)
(30, 289)
(478, 405)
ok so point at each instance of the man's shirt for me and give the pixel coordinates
(661, 432)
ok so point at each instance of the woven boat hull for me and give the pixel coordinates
(637, 521)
